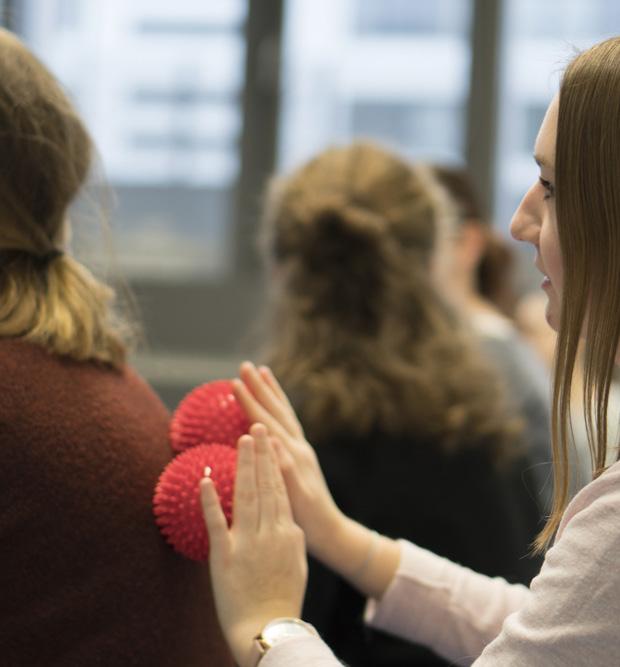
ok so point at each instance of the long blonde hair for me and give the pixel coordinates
(588, 212)
(46, 296)
(358, 333)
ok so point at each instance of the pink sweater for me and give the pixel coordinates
(568, 617)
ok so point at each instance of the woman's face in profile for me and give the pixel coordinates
(535, 220)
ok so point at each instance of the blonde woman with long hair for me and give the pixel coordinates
(85, 577)
(568, 617)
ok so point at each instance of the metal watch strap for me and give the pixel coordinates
(260, 646)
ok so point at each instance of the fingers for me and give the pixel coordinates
(293, 422)
(273, 497)
(245, 504)
(261, 499)
(286, 462)
(267, 375)
(215, 520)
(282, 457)
(266, 478)
(254, 409)
(267, 396)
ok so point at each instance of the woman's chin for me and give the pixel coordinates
(552, 316)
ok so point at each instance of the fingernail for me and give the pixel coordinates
(207, 472)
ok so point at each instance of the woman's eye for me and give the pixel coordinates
(549, 189)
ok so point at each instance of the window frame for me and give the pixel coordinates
(214, 319)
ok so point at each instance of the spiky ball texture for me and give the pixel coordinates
(176, 503)
(209, 413)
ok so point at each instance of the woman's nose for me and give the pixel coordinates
(525, 224)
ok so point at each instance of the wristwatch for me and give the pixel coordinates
(277, 631)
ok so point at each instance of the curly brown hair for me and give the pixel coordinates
(358, 334)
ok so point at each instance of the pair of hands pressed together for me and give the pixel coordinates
(258, 566)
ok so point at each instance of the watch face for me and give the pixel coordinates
(278, 630)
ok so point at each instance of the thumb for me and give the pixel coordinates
(214, 518)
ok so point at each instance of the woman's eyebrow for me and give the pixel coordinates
(541, 162)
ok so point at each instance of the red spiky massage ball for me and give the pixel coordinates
(209, 413)
(176, 503)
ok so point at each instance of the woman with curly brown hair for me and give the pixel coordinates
(389, 386)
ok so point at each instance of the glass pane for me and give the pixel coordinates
(393, 70)
(404, 16)
(159, 84)
(539, 39)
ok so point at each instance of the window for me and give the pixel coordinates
(159, 85)
(404, 16)
(182, 100)
(539, 38)
(430, 129)
(395, 71)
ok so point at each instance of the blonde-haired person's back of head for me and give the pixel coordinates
(357, 328)
(47, 297)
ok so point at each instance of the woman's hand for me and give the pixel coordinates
(258, 567)
(366, 560)
(313, 506)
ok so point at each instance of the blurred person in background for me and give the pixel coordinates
(85, 576)
(408, 420)
(478, 281)
(482, 262)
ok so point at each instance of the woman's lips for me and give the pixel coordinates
(546, 283)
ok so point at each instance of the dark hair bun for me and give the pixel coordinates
(339, 264)
(341, 238)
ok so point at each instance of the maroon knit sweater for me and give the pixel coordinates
(85, 577)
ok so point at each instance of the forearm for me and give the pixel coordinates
(444, 606)
(368, 561)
